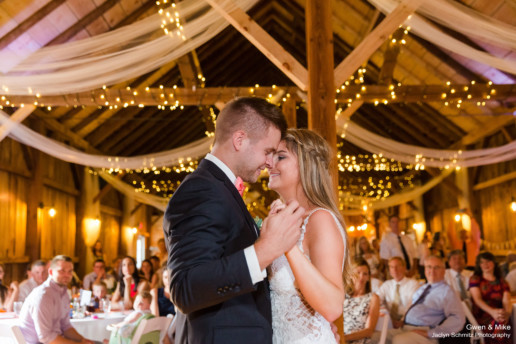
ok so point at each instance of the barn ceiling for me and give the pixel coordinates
(230, 60)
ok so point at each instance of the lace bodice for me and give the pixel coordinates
(293, 320)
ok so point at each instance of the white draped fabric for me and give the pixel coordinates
(22, 134)
(461, 19)
(112, 57)
(157, 202)
(423, 156)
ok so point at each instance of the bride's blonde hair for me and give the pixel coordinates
(314, 157)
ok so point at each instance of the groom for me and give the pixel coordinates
(218, 262)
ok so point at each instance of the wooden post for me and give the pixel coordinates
(321, 85)
(289, 110)
(34, 201)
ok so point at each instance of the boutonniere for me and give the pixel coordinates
(258, 222)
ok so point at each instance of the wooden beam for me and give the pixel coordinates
(83, 22)
(110, 210)
(41, 13)
(390, 57)
(17, 117)
(374, 40)
(264, 42)
(289, 110)
(211, 95)
(485, 129)
(449, 185)
(75, 139)
(346, 114)
(102, 193)
(51, 183)
(497, 180)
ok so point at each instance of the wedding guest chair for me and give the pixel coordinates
(11, 334)
(152, 330)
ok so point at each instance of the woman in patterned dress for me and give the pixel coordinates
(361, 306)
(491, 300)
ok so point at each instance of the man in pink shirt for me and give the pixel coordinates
(45, 315)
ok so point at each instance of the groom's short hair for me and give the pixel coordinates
(251, 114)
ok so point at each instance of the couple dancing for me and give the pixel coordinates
(218, 256)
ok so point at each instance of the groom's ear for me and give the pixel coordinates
(238, 139)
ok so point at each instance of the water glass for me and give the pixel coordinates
(105, 305)
(17, 307)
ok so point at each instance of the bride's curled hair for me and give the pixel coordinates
(314, 157)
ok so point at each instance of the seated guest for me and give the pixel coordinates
(7, 295)
(365, 250)
(511, 278)
(161, 304)
(124, 331)
(99, 293)
(147, 271)
(361, 306)
(396, 293)
(435, 309)
(456, 276)
(491, 298)
(162, 254)
(98, 274)
(157, 269)
(505, 266)
(129, 283)
(45, 315)
(38, 275)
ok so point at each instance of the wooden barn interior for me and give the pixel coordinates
(331, 65)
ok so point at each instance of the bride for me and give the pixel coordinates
(307, 291)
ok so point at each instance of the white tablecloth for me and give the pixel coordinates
(93, 329)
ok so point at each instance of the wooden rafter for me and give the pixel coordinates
(390, 58)
(374, 40)
(12, 35)
(191, 74)
(82, 23)
(264, 42)
(210, 95)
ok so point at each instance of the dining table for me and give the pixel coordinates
(93, 327)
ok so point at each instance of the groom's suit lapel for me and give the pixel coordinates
(219, 174)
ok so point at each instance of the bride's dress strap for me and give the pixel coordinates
(305, 222)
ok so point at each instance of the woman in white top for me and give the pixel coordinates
(307, 290)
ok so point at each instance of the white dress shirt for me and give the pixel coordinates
(26, 288)
(408, 287)
(257, 275)
(450, 276)
(390, 247)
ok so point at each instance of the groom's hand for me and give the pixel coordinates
(280, 232)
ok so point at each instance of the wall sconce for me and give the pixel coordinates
(513, 205)
(51, 211)
(134, 230)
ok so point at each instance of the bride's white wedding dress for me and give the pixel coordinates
(293, 320)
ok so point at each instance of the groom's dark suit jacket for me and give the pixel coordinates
(207, 226)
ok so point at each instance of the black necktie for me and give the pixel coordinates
(405, 255)
(465, 249)
(419, 300)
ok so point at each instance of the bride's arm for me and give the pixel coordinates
(320, 280)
